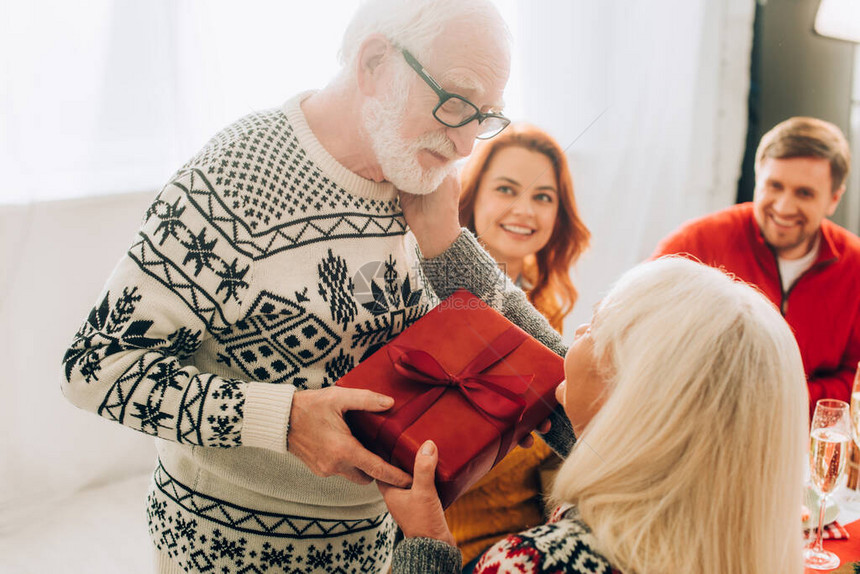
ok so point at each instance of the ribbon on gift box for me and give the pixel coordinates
(495, 397)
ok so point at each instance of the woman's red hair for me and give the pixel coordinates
(548, 271)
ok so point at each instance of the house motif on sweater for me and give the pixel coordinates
(262, 267)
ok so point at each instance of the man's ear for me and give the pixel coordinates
(834, 201)
(372, 54)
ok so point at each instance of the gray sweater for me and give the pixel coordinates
(466, 265)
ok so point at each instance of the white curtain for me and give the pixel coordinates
(651, 98)
(111, 96)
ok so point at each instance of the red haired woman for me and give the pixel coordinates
(517, 198)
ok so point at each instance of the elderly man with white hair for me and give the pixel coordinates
(272, 263)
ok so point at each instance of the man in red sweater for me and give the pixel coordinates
(782, 242)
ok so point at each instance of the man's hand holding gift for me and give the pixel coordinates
(321, 439)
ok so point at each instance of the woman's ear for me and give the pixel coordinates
(372, 55)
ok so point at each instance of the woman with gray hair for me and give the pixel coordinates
(688, 395)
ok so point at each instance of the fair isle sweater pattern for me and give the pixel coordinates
(564, 545)
(276, 337)
(254, 265)
(237, 539)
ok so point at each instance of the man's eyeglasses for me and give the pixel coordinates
(455, 111)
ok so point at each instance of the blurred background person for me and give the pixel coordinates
(692, 438)
(517, 197)
(783, 243)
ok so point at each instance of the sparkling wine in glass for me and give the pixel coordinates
(828, 452)
(852, 484)
(829, 438)
(855, 413)
(855, 407)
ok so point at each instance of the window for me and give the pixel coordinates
(111, 96)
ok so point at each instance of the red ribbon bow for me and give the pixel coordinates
(493, 396)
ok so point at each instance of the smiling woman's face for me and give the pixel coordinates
(516, 204)
(582, 392)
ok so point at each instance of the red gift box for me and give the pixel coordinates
(464, 376)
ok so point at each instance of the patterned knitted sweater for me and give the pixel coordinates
(264, 266)
(564, 545)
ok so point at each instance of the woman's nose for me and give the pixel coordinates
(582, 330)
(522, 204)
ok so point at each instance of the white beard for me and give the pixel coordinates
(398, 157)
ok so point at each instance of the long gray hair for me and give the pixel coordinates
(695, 461)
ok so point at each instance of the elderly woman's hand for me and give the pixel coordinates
(417, 510)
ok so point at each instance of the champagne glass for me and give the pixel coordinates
(853, 482)
(855, 407)
(828, 451)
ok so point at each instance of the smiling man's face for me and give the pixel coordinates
(792, 197)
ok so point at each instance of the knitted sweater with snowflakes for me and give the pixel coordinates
(564, 545)
(264, 266)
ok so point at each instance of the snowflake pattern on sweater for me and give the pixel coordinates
(252, 541)
(563, 545)
(257, 265)
(222, 217)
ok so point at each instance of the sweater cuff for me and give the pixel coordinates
(267, 415)
(560, 437)
(466, 265)
(426, 555)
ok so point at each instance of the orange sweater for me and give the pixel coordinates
(507, 500)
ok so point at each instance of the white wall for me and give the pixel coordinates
(650, 100)
(669, 77)
(55, 258)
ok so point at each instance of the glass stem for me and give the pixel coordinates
(818, 536)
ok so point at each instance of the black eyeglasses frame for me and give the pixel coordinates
(444, 96)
